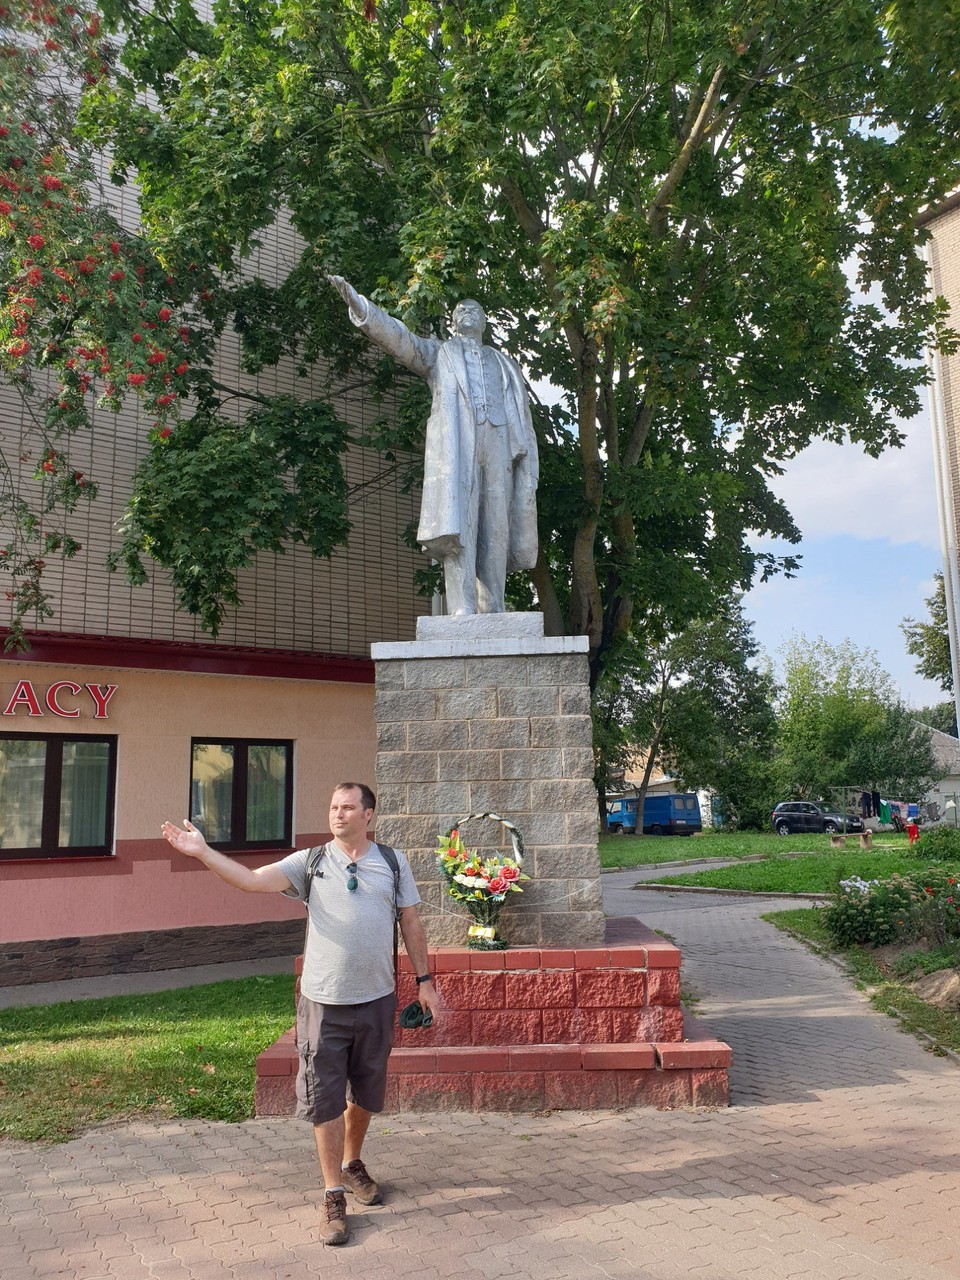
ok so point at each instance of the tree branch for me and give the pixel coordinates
(701, 126)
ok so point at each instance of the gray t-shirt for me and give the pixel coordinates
(348, 958)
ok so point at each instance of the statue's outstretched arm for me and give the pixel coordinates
(392, 335)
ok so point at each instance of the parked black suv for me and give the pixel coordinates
(796, 816)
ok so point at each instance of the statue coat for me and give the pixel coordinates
(450, 473)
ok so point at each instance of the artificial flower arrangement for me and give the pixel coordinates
(482, 883)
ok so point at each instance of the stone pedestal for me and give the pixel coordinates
(535, 1027)
(486, 714)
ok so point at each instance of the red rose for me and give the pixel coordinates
(510, 873)
(136, 379)
(36, 242)
(498, 885)
(164, 314)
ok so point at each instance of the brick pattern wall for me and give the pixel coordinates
(59, 959)
(457, 736)
(364, 593)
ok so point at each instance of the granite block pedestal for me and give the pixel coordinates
(482, 714)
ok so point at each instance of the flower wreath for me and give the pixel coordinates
(481, 884)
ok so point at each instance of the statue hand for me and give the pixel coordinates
(347, 292)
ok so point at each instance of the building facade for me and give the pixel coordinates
(943, 261)
(123, 713)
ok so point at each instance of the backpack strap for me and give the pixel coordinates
(313, 861)
(393, 862)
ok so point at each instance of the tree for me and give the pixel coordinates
(929, 642)
(658, 204)
(841, 727)
(696, 702)
(942, 716)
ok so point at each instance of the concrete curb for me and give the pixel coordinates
(730, 893)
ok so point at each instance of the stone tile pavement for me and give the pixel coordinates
(839, 1160)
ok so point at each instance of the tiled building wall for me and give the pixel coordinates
(363, 594)
(944, 252)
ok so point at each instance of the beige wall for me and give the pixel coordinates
(944, 256)
(154, 715)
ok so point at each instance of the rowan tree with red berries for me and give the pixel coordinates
(87, 312)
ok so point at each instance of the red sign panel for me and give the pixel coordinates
(64, 698)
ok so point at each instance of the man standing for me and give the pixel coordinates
(348, 1001)
(478, 514)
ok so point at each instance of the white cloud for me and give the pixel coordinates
(837, 489)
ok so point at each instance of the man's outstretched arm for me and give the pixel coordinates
(269, 879)
(392, 335)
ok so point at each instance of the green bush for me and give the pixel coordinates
(902, 908)
(938, 911)
(871, 912)
(940, 844)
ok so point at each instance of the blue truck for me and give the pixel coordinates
(675, 814)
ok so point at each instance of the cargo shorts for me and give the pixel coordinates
(343, 1056)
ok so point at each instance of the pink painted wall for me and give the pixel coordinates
(146, 885)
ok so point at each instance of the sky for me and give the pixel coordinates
(871, 545)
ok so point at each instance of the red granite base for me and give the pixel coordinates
(534, 1028)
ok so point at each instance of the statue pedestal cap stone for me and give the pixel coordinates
(484, 713)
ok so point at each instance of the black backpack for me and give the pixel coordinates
(392, 861)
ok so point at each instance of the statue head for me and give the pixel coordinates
(468, 320)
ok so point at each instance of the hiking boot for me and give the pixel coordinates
(333, 1218)
(359, 1183)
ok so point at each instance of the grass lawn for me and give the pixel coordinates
(635, 851)
(817, 874)
(188, 1052)
(884, 984)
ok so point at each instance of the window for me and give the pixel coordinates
(56, 795)
(241, 792)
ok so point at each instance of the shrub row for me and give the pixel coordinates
(939, 844)
(902, 909)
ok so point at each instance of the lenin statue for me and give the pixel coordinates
(478, 515)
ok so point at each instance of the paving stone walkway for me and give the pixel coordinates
(839, 1160)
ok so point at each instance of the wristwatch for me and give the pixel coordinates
(424, 977)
